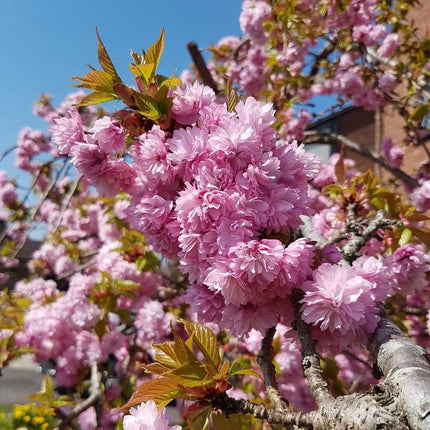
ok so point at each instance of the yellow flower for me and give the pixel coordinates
(38, 420)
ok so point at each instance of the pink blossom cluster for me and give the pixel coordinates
(8, 192)
(247, 63)
(207, 192)
(392, 154)
(147, 416)
(340, 303)
(95, 151)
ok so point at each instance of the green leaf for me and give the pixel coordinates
(205, 340)
(156, 368)
(419, 113)
(222, 371)
(173, 81)
(183, 352)
(189, 375)
(147, 106)
(165, 354)
(154, 52)
(221, 422)
(95, 80)
(105, 60)
(145, 71)
(96, 98)
(242, 366)
(405, 236)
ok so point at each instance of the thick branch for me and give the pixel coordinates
(405, 365)
(333, 138)
(199, 62)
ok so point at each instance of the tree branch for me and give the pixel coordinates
(199, 62)
(333, 138)
(265, 361)
(92, 400)
(351, 249)
(406, 366)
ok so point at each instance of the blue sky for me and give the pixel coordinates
(43, 43)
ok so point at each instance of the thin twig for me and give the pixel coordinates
(92, 400)
(311, 360)
(8, 151)
(67, 200)
(265, 361)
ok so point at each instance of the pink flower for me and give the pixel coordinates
(257, 259)
(393, 154)
(67, 131)
(420, 196)
(109, 135)
(189, 101)
(146, 416)
(387, 82)
(389, 45)
(409, 265)
(340, 301)
(254, 13)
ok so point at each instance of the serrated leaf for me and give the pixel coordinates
(173, 81)
(419, 113)
(165, 354)
(95, 80)
(183, 352)
(96, 98)
(147, 105)
(205, 340)
(161, 390)
(156, 368)
(154, 52)
(189, 375)
(144, 71)
(223, 371)
(105, 60)
(242, 366)
(232, 97)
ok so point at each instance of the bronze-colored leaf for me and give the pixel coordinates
(161, 390)
(205, 340)
(105, 60)
(154, 52)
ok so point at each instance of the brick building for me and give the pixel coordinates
(368, 128)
